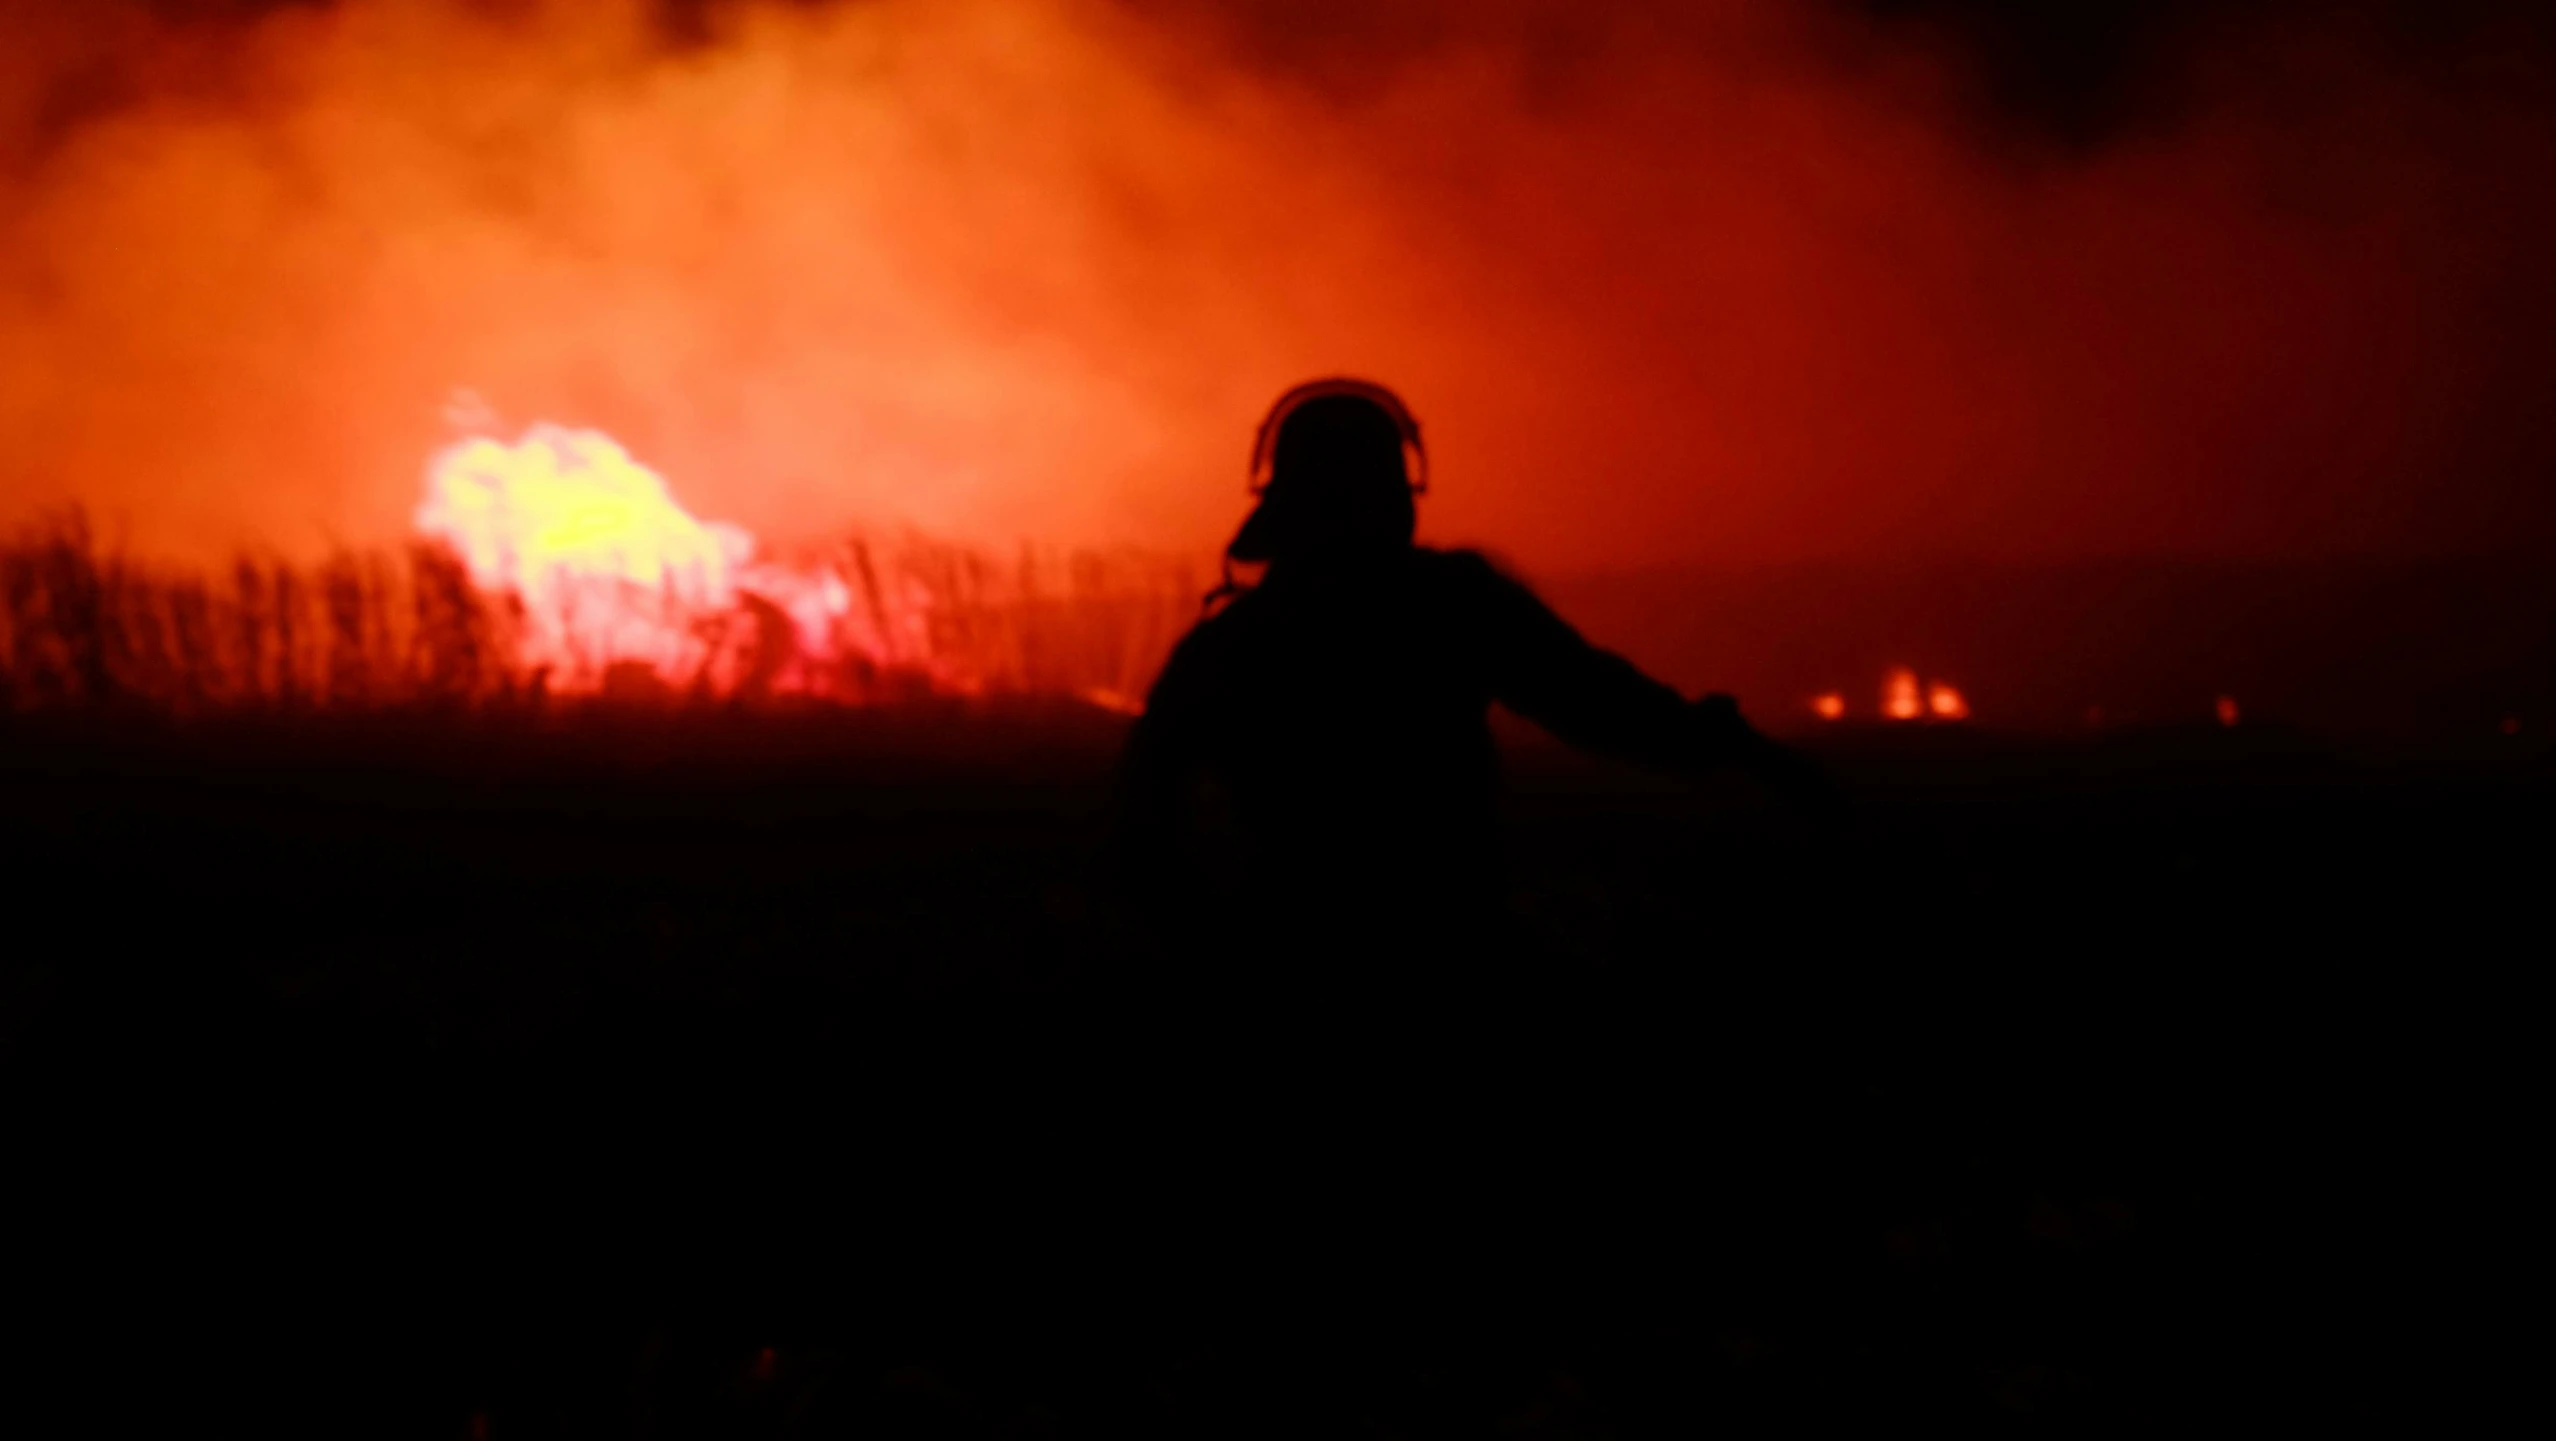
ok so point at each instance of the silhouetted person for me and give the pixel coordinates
(1313, 783)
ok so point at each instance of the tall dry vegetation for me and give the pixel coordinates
(85, 626)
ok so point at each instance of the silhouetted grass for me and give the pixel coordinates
(86, 627)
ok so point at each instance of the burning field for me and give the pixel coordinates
(559, 566)
(574, 579)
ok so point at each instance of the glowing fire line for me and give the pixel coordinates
(1904, 697)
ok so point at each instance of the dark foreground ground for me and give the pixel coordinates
(786, 1078)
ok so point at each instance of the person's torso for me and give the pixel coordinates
(1349, 721)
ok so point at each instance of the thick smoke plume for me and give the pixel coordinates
(1752, 283)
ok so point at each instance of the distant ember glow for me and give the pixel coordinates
(1902, 699)
(1830, 706)
(2227, 710)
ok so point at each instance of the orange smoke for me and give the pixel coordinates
(1711, 282)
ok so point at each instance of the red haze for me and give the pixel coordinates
(1745, 289)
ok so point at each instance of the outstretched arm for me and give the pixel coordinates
(1598, 701)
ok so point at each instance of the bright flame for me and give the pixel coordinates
(1945, 703)
(1901, 698)
(608, 568)
(620, 588)
(1828, 707)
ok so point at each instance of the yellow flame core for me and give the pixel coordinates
(608, 569)
(618, 584)
(565, 505)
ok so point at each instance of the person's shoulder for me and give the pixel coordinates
(1460, 565)
(1210, 633)
(1231, 626)
(1466, 570)
(1198, 665)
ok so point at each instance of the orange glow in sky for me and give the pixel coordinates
(1007, 270)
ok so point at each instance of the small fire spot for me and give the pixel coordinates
(765, 1364)
(1829, 707)
(1906, 697)
(1901, 698)
(2228, 712)
(2511, 725)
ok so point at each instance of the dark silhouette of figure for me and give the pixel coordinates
(1314, 776)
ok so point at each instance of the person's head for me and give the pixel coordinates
(1334, 472)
